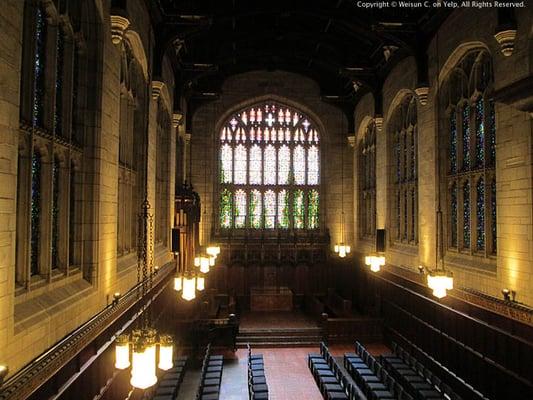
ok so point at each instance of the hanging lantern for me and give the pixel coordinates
(203, 261)
(212, 261)
(200, 283)
(178, 282)
(143, 365)
(440, 282)
(165, 352)
(342, 249)
(375, 262)
(213, 250)
(189, 287)
(122, 352)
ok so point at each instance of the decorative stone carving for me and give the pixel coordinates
(177, 118)
(378, 120)
(352, 140)
(422, 94)
(506, 40)
(119, 25)
(157, 87)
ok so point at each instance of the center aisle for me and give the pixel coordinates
(288, 376)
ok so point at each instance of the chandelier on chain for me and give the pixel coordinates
(144, 346)
(341, 248)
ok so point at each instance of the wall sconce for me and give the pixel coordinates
(509, 295)
(116, 298)
(4, 370)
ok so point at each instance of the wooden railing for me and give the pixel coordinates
(40, 370)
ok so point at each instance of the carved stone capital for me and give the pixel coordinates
(352, 140)
(422, 93)
(177, 118)
(157, 87)
(378, 120)
(119, 24)
(506, 39)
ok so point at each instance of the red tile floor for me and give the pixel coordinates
(286, 370)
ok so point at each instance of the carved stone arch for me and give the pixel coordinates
(398, 99)
(137, 48)
(160, 90)
(455, 58)
(367, 120)
(61, 155)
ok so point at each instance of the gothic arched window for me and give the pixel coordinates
(367, 182)
(269, 169)
(403, 129)
(471, 156)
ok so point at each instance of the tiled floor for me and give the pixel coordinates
(286, 370)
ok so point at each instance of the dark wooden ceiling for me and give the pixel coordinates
(333, 42)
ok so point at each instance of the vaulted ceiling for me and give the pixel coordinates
(334, 42)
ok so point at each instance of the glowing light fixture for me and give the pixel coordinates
(213, 250)
(203, 261)
(165, 352)
(440, 281)
(143, 361)
(178, 282)
(375, 262)
(200, 283)
(189, 287)
(122, 352)
(342, 249)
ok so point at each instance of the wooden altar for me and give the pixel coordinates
(270, 298)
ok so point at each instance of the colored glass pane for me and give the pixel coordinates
(298, 209)
(240, 165)
(480, 132)
(270, 165)
(312, 165)
(256, 209)
(298, 165)
(256, 165)
(313, 210)
(283, 209)
(284, 165)
(35, 212)
(240, 208)
(480, 213)
(225, 208)
(466, 215)
(270, 209)
(226, 163)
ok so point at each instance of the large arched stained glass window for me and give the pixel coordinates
(471, 156)
(269, 169)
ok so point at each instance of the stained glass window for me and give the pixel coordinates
(367, 181)
(453, 141)
(270, 165)
(226, 205)
(466, 215)
(240, 208)
(466, 136)
(269, 169)
(404, 170)
(480, 213)
(270, 209)
(298, 161)
(256, 209)
(283, 209)
(312, 165)
(284, 165)
(226, 163)
(453, 215)
(60, 59)
(471, 155)
(256, 165)
(72, 216)
(39, 66)
(240, 164)
(313, 209)
(35, 211)
(55, 213)
(298, 208)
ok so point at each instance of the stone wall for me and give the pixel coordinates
(513, 265)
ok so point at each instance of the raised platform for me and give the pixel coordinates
(270, 298)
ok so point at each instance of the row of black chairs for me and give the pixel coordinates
(257, 385)
(211, 377)
(371, 377)
(415, 377)
(329, 377)
(170, 381)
